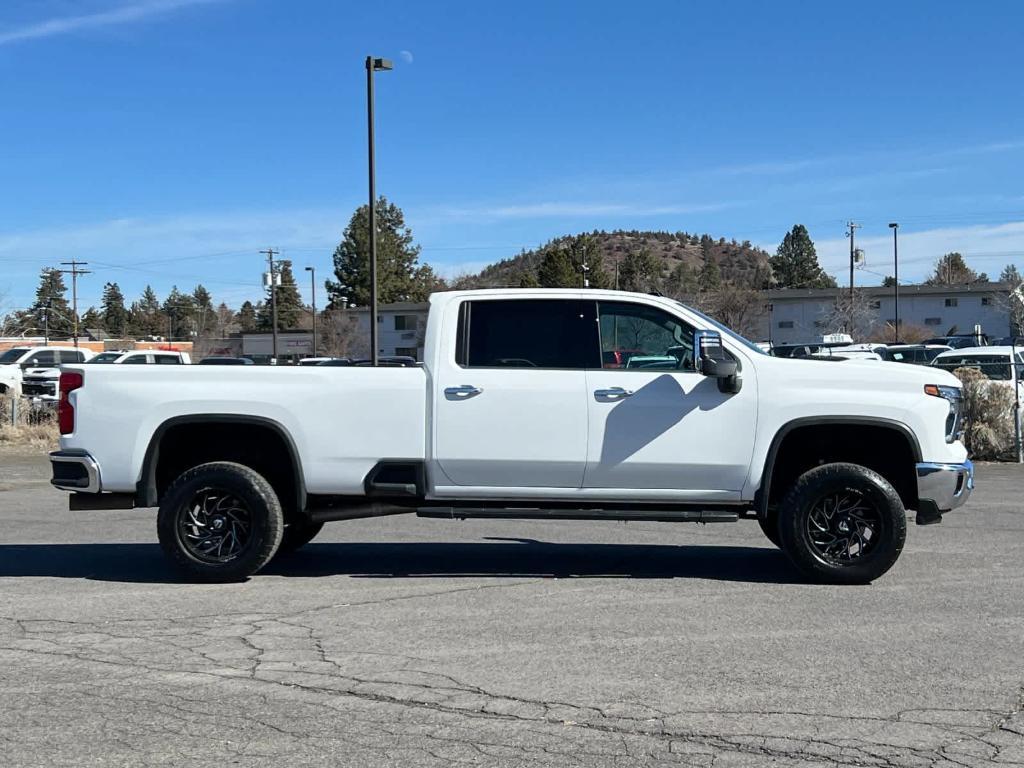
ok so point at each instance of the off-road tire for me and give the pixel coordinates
(298, 533)
(247, 486)
(817, 486)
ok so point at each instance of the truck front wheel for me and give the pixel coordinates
(842, 524)
(220, 522)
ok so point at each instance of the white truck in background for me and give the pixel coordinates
(531, 404)
(28, 365)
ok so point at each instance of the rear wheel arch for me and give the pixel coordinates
(793, 447)
(222, 437)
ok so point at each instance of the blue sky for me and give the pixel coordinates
(167, 141)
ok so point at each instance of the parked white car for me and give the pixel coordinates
(526, 407)
(996, 363)
(20, 363)
(141, 357)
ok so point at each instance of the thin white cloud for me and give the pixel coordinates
(569, 209)
(124, 14)
(986, 248)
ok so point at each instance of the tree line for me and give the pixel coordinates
(722, 278)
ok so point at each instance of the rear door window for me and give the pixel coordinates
(528, 333)
(167, 359)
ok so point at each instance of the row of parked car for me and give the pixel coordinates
(994, 358)
(35, 371)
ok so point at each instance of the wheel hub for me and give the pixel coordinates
(844, 527)
(215, 526)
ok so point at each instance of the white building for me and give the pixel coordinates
(796, 315)
(400, 327)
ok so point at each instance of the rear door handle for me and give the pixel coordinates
(614, 392)
(463, 391)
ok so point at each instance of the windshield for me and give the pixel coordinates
(725, 331)
(106, 357)
(12, 355)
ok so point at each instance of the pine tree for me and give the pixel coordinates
(682, 281)
(557, 269)
(640, 271)
(710, 278)
(399, 273)
(179, 310)
(51, 306)
(247, 321)
(527, 279)
(91, 319)
(206, 316)
(113, 313)
(145, 318)
(795, 263)
(1010, 275)
(289, 304)
(951, 269)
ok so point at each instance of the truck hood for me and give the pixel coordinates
(871, 374)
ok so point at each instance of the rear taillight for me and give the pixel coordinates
(69, 382)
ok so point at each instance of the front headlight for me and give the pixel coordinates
(955, 396)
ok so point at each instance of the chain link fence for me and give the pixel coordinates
(22, 412)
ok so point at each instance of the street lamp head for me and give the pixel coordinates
(893, 225)
(311, 269)
(378, 65)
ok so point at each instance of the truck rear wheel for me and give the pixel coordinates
(842, 524)
(220, 522)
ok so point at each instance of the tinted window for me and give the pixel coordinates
(993, 366)
(47, 357)
(528, 333)
(134, 360)
(639, 337)
(70, 356)
(12, 355)
(167, 359)
(105, 357)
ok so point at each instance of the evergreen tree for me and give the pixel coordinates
(682, 281)
(398, 268)
(585, 249)
(795, 263)
(145, 317)
(951, 269)
(113, 312)
(50, 308)
(289, 304)
(710, 277)
(179, 311)
(640, 271)
(527, 279)
(1010, 275)
(247, 320)
(205, 314)
(889, 282)
(557, 269)
(91, 319)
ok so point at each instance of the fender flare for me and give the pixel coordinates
(145, 486)
(763, 492)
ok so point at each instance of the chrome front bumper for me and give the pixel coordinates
(942, 487)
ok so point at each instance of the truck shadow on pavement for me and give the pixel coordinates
(144, 563)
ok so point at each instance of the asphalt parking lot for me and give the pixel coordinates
(414, 642)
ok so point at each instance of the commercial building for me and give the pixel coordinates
(796, 315)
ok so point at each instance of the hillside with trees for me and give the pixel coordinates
(673, 259)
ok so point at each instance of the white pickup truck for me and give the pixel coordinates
(531, 404)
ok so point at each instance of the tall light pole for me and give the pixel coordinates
(895, 227)
(312, 286)
(373, 65)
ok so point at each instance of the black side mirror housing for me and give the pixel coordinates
(713, 361)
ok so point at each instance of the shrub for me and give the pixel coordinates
(988, 415)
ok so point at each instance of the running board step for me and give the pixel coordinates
(534, 513)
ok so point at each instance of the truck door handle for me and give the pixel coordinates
(462, 391)
(613, 393)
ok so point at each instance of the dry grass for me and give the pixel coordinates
(41, 436)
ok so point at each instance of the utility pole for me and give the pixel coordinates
(894, 226)
(272, 277)
(850, 233)
(74, 272)
(46, 322)
(312, 286)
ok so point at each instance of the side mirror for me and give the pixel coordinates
(712, 360)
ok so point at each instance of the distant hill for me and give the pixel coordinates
(741, 264)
